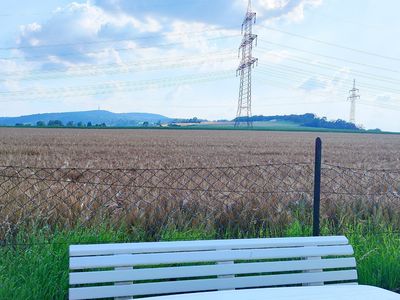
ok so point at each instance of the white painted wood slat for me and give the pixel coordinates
(155, 247)
(126, 260)
(231, 264)
(208, 284)
(209, 270)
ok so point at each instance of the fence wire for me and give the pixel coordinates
(241, 198)
(368, 197)
(219, 197)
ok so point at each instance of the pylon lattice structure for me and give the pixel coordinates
(352, 98)
(247, 62)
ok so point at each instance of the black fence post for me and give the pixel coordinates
(317, 187)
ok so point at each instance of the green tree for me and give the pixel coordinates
(55, 123)
(40, 124)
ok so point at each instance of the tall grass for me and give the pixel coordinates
(36, 266)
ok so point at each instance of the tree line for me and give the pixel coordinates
(59, 123)
(307, 120)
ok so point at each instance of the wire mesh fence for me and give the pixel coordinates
(235, 198)
(230, 197)
(369, 197)
(362, 182)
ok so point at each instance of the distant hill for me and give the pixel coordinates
(103, 118)
(94, 116)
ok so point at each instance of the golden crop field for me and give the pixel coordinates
(244, 180)
(186, 148)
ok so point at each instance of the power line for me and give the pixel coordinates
(113, 84)
(284, 87)
(164, 34)
(286, 75)
(332, 57)
(323, 65)
(292, 77)
(380, 105)
(168, 4)
(126, 67)
(123, 68)
(291, 69)
(346, 20)
(115, 87)
(20, 15)
(270, 81)
(135, 48)
(330, 43)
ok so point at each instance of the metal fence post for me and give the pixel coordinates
(317, 187)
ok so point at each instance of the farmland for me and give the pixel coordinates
(186, 148)
(77, 186)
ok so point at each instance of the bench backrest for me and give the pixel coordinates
(157, 268)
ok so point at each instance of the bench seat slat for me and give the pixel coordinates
(209, 270)
(258, 264)
(126, 260)
(155, 247)
(209, 284)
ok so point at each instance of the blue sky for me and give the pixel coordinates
(178, 58)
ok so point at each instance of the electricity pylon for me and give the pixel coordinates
(352, 98)
(247, 62)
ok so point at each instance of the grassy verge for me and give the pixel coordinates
(36, 266)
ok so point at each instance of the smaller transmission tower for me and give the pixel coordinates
(352, 98)
(246, 64)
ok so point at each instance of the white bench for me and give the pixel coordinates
(158, 268)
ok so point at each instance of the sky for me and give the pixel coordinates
(179, 58)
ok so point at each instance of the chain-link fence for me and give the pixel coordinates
(237, 198)
(221, 198)
(369, 197)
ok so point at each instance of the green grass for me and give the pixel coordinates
(36, 267)
(378, 259)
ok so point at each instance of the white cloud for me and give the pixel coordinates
(195, 35)
(273, 10)
(13, 71)
(79, 27)
(273, 4)
(297, 14)
(27, 29)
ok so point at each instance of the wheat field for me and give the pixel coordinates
(230, 180)
(187, 148)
